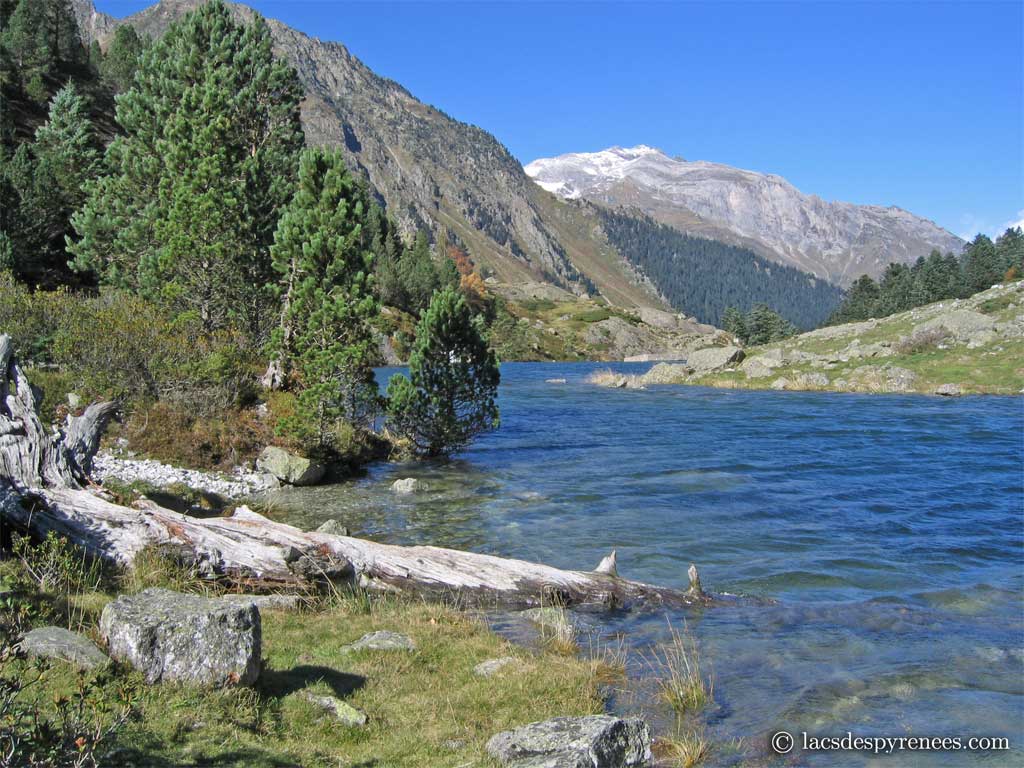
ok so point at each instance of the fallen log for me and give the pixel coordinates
(41, 479)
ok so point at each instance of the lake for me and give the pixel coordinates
(889, 529)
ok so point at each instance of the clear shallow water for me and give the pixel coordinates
(889, 528)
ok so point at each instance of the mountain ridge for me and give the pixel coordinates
(431, 170)
(833, 240)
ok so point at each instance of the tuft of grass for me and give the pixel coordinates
(558, 633)
(154, 567)
(676, 666)
(685, 749)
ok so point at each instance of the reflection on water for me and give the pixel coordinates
(889, 528)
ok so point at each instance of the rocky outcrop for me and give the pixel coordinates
(713, 358)
(597, 741)
(171, 637)
(290, 468)
(836, 241)
(962, 324)
(57, 643)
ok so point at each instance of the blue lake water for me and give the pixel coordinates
(889, 529)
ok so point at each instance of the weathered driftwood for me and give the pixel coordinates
(32, 455)
(43, 492)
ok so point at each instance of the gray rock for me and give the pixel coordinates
(494, 666)
(756, 368)
(334, 528)
(549, 617)
(713, 358)
(597, 741)
(812, 380)
(74, 400)
(266, 602)
(885, 378)
(382, 640)
(780, 383)
(949, 390)
(961, 323)
(666, 373)
(169, 636)
(58, 643)
(342, 711)
(289, 468)
(408, 485)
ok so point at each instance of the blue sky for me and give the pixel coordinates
(910, 104)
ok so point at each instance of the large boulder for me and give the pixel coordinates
(961, 323)
(62, 645)
(289, 468)
(597, 741)
(713, 358)
(169, 636)
(666, 373)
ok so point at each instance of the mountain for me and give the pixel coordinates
(431, 170)
(835, 241)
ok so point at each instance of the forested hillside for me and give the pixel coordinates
(705, 277)
(982, 265)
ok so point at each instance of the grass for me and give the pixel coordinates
(676, 666)
(684, 750)
(426, 708)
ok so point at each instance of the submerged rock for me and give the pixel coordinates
(408, 485)
(290, 468)
(334, 528)
(171, 637)
(382, 640)
(62, 645)
(597, 741)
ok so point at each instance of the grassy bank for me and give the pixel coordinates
(968, 346)
(425, 708)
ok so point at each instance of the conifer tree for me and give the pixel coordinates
(734, 322)
(981, 265)
(122, 58)
(419, 274)
(322, 254)
(45, 183)
(450, 394)
(194, 187)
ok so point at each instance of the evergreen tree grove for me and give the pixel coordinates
(450, 394)
(187, 210)
(322, 252)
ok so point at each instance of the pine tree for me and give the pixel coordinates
(188, 209)
(419, 275)
(6, 254)
(982, 267)
(322, 253)
(1010, 249)
(122, 58)
(734, 322)
(48, 178)
(861, 302)
(450, 394)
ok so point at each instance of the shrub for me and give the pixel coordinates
(594, 315)
(449, 396)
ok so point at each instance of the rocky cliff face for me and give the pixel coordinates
(836, 241)
(431, 170)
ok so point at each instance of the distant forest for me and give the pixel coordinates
(704, 277)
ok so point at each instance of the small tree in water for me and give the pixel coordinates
(449, 396)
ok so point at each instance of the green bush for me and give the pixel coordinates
(594, 315)
(449, 396)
